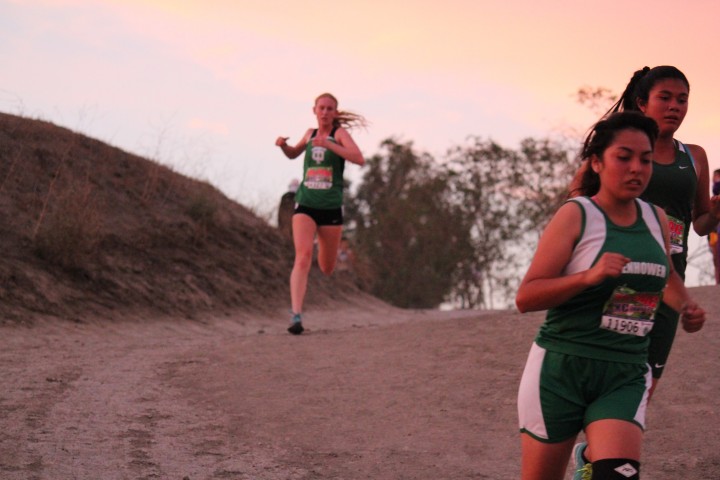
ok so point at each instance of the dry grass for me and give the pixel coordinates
(71, 228)
(88, 230)
(202, 209)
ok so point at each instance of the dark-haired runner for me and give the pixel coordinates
(601, 269)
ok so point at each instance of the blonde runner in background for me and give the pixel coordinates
(319, 198)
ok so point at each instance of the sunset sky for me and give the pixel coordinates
(207, 86)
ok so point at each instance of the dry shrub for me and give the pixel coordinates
(71, 228)
(202, 208)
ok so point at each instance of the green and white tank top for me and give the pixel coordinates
(672, 188)
(322, 185)
(610, 321)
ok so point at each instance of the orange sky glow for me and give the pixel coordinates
(206, 86)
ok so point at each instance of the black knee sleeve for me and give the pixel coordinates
(616, 469)
(662, 337)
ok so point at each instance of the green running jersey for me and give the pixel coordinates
(610, 321)
(322, 185)
(672, 188)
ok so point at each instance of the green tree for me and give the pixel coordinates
(460, 230)
(509, 195)
(407, 227)
(597, 99)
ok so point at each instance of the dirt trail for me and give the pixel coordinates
(369, 392)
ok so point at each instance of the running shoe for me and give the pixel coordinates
(296, 327)
(583, 471)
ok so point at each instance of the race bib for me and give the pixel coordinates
(677, 234)
(319, 178)
(629, 312)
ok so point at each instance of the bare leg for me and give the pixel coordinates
(328, 243)
(613, 439)
(544, 461)
(304, 229)
(652, 388)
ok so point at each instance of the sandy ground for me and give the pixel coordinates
(370, 392)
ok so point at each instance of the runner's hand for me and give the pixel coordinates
(609, 265)
(281, 141)
(692, 317)
(715, 206)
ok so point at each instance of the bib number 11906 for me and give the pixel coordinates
(629, 312)
(627, 326)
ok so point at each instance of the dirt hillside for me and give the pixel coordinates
(90, 231)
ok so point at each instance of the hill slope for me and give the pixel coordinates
(87, 229)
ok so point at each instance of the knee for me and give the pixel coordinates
(303, 260)
(326, 269)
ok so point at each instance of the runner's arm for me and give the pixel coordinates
(706, 210)
(293, 152)
(676, 294)
(345, 147)
(545, 286)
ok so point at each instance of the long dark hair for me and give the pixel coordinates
(640, 85)
(602, 135)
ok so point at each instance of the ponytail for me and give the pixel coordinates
(640, 85)
(628, 100)
(345, 119)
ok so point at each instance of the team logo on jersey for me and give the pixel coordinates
(646, 268)
(318, 154)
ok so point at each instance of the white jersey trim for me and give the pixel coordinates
(530, 413)
(684, 148)
(653, 223)
(592, 236)
(591, 240)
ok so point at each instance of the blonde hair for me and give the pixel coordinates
(345, 119)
